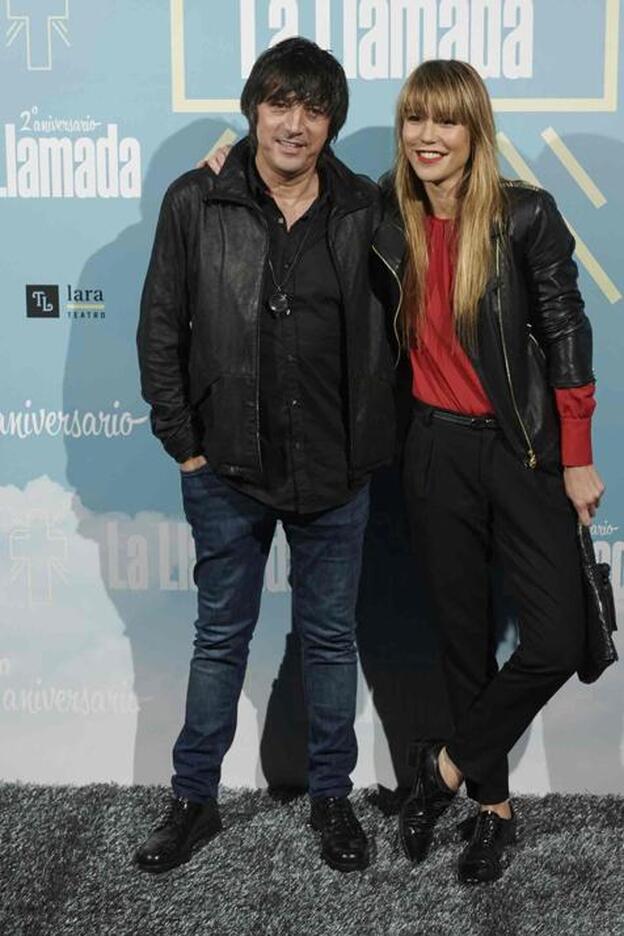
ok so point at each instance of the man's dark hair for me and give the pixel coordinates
(297, 70)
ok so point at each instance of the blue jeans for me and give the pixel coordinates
(233, 534)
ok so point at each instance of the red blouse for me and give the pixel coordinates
(443, 375)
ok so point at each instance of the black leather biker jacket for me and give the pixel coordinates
(533, 334)
(198, 336)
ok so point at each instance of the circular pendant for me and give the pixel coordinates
(278, 303)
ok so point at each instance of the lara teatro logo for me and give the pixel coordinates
(52, 156)
(40, 25)
(42, 302)
(80, 303)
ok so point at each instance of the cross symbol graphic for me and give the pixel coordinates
(38, 553)
(37, 18)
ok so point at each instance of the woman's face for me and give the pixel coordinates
(437, 152)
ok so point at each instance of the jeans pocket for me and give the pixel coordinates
(195, 487)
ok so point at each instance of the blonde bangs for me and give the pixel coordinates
(428, 96)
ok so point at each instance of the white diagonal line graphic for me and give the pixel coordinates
(584, 254)
(61, 32)
(13, 32)
(569, 161)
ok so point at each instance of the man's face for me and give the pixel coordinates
(290, 137)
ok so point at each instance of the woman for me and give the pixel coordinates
(481, 275)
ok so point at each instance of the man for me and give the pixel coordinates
(264, 357)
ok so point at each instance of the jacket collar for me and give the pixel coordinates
(389, 239)
(389, 242)
(349, 192)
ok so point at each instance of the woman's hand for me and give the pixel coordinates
(584, 487)
(214, 160)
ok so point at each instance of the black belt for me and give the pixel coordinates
(456, 419)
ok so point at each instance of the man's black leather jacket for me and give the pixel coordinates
(533, 334)
(198, 333)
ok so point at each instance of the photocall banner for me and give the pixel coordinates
(102, 106)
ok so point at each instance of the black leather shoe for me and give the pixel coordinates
(421, 810)
(185, 829)
(480, 860)
(344, 845)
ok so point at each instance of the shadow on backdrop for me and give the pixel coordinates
(396, 635)
(129, 487)
(396, 641)
(128, 493)
(584, 725)
(132, 483)
(283, 747)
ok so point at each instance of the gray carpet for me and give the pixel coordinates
(66, 871)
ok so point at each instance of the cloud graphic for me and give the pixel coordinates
(67, 704)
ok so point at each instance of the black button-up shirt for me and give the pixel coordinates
(303, 380)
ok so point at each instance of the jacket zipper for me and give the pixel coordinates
(334, 216)
(258, 314)
(334, 258)
(399, 304)
(531, 460)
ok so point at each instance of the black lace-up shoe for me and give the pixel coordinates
(344, 845)
(421, 810)
(480, 860)
(185, 829)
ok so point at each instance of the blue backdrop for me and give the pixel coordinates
(102, 106)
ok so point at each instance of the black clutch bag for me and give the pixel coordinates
(600, 619)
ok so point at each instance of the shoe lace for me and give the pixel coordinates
(486, 829)
(341, 818)
(177, 815)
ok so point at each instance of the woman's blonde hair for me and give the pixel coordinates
(450, 91)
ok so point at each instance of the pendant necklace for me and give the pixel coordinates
(278, 302)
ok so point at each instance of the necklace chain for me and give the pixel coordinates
(278, 300)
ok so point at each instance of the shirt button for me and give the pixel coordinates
(297, 446)
(290, 358)
(294, 403)
(280, 220)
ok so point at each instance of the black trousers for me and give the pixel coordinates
(471, 500)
